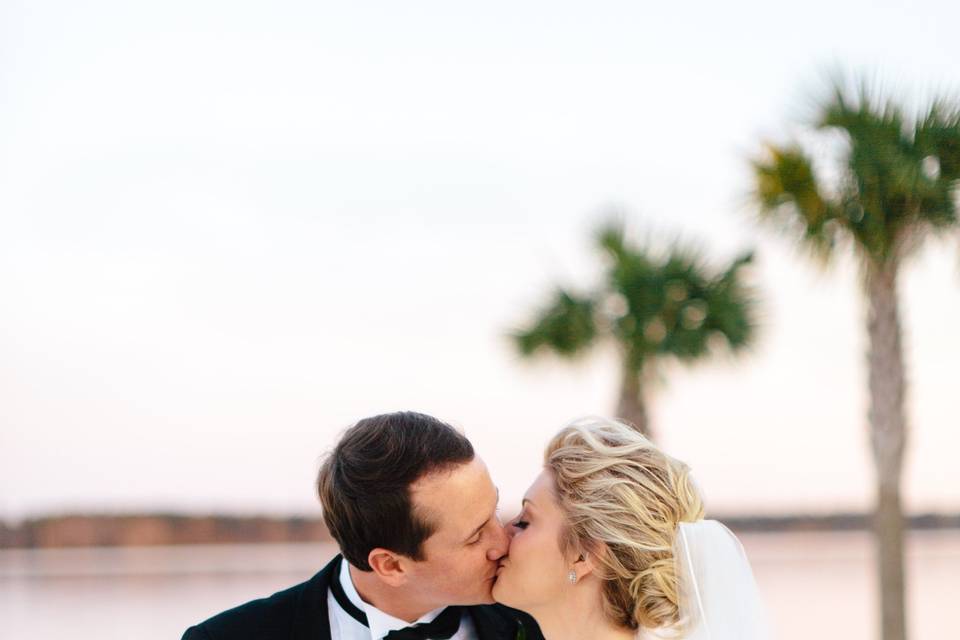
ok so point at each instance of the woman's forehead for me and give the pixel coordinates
(542, 493)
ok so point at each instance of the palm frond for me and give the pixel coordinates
(677, 305)
(789, 196)
(611, 238)
(565, 326)
(732, 305)
(897, 187)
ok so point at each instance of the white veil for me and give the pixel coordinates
(719, 599)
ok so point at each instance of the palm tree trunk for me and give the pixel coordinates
(631, 407)
(888, 440)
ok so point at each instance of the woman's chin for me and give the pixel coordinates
(501, 593)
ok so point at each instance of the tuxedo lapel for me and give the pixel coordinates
(312, 619)
(491, 624)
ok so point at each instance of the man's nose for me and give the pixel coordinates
(501, 542)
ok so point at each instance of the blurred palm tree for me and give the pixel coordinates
(894, 185)
(653, 308)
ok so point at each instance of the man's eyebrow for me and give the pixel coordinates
(478, 529)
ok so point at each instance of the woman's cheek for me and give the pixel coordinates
(523, 550)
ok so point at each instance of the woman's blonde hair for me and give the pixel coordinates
(620, 492)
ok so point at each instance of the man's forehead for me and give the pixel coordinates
(454, 499)
(465, 476)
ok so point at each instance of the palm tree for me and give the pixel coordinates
(653, 308)
(896, 183)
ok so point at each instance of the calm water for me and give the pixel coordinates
(816, 586)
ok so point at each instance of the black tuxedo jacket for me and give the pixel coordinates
(300, 613)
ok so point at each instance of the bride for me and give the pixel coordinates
(611, 544)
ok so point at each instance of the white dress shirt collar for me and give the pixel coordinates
(380, 623)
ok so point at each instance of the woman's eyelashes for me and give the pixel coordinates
(520, 523)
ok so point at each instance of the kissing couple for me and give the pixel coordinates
(610, 544)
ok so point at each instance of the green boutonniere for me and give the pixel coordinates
(521, 631)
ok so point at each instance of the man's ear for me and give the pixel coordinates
(389, 566)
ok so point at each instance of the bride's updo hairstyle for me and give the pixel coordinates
(616, 488)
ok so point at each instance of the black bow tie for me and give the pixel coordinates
(440, 628)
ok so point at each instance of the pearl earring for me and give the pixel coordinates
(572, 576)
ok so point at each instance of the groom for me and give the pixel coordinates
(414, 512)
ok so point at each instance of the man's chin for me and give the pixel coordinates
(486, 596)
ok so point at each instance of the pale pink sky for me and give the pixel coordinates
(228, 230)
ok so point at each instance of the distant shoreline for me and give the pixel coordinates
(154, 529)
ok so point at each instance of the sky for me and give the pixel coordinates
(230, 229)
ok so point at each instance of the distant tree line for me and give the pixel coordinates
(174, 529)
(158, 529)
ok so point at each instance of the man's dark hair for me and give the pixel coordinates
(364, 483)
